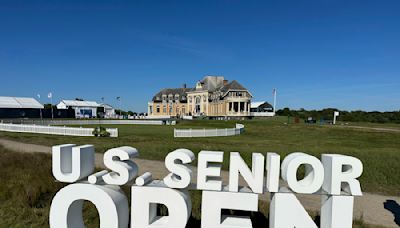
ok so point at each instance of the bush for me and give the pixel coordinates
(101, 132)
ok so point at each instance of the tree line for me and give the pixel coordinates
(350, 116)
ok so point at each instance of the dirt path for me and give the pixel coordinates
(380, 129)
(370, 207)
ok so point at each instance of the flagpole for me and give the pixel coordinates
(40, 109)
(274, 101)
(50, 95)
(52, 112)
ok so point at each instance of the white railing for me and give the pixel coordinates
(53, 130)
(239, 129)
(86, 122)
(231, 113)
(156, 117)
(262, 114)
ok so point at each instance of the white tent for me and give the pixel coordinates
(19, 102)
(83, 109)
(73, 103)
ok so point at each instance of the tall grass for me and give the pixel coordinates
(27, 188)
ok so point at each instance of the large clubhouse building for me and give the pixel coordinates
(213, 97)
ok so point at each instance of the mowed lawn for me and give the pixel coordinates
(379, 151)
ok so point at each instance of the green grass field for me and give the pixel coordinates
(379, 151)
(27, 188)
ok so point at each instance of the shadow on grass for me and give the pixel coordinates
(394, 208)
(258, 218)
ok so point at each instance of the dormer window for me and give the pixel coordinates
(198, 85)
(176, 97)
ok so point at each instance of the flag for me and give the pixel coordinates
(118, 98)
(50, 95)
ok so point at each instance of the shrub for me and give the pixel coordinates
(101, 132)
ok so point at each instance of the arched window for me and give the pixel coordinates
(197, 108)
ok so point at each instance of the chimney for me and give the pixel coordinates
(184, 85)
(225, 82)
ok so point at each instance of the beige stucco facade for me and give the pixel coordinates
(213, 97)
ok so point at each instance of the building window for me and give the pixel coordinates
(197, 106)
(164, 108)
(158, 109)
(151, 109)
(170, 109)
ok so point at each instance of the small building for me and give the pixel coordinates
(20, 107)
(261, 109)
(83, 109)
(109, 111)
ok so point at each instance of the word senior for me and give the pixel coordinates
(334, 178)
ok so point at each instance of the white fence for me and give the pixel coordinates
(178, 133)
(262, 114)
(84, 122)
(53, 130)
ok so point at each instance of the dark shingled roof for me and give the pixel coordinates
(209, 84)
(233, 85)
(180, 91)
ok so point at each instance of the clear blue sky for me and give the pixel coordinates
(318, 54)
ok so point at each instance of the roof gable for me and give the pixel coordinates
(233, 85)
